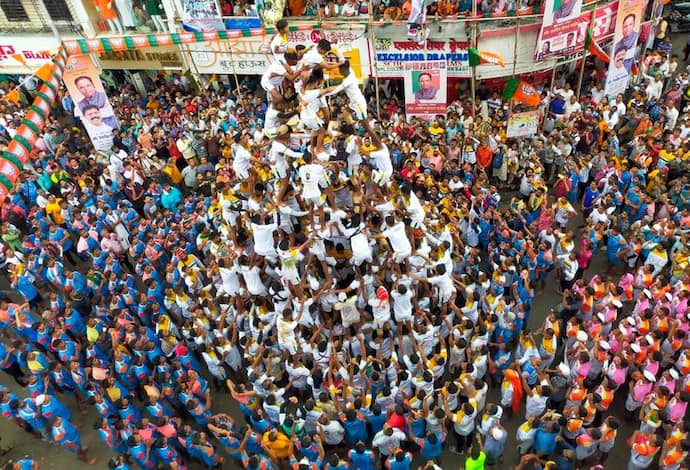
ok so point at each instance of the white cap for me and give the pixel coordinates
(604, 345)
(622, 329)
(581, 336)
(617, 303)
(40, 399)
(564, 369)
(647, 293)
(649, 338)
(342, 297)
(635, 347)
(674, 373)
(496, 433)
(668, 296)
(649, 376)
(601, 317)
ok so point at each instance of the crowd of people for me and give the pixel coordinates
(357, 283)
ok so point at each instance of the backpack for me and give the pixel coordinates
(498, 160)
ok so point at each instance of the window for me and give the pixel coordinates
(58, 10)
(14, 10)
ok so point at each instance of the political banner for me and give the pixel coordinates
(561, 11)
(251, 55)
(567, 37)
(392, 56)
(91, 104)
(201, 15)
(624, 45)
(425, 88)
(523, 124)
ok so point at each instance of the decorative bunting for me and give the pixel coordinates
(129, 43)
(20, 147)
(20, 58)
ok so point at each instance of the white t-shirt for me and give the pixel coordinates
(277, 42)
(402, 305)
(252, 278)
(397, 237)
(263, 239)
(242, 161)
(273, 76)
(312, 176)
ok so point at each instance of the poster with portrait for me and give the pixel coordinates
(562, 28)
(624, 46)
(568, 37)
(425, 87)
(201, 15)
(91, 104)
(561, 11)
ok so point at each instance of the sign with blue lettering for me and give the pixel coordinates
(391, 56)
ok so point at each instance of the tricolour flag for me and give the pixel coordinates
(594, 48)
(482, 57)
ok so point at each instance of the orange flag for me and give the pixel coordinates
(44, 72)
(13, 96)
(19, 58)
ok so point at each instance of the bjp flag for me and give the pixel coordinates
(521, 92)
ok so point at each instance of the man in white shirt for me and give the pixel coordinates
(350, 85)
(654, 87)
(264, 244)
(313, 177)
(388, 439)
(276, 73)
(572, 107)
(242, 158)
(598, 93)
(396, 234)
(671, 115)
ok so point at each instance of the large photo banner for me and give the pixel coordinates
(91, 104)
(562, 39)
(624, 45)
(201, 15)
(425, 88)
(561, 11)
(562, 28)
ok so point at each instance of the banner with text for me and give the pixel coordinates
(251, 55)
(523, 124)
(392, 57)
(624, 46)
(425, 87)
(91, 103)
(201, 15)
(561, 39)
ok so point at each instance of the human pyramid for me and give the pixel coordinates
(357, 285)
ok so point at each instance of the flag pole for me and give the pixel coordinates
(581, 76)
(473, 44)
(515, 47)
(372, 41)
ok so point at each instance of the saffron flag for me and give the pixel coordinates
(521, 92)
(19, 58)
(482, 57)
(594, 48)
(12, 96)
(45, 72)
